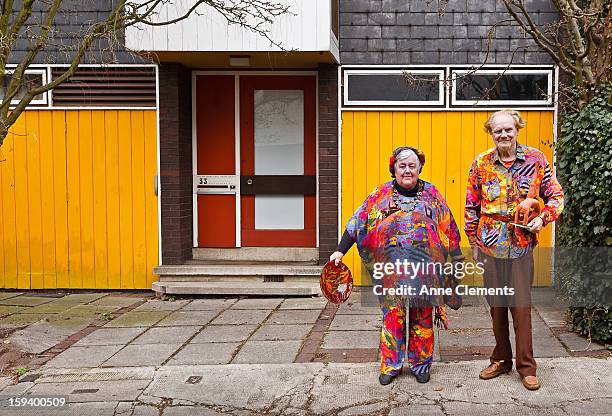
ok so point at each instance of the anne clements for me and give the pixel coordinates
(407, 269)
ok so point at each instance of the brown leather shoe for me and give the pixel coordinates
(495, 369)
(531, 383)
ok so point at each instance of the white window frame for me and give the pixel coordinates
(43, 72)
(548, 102)
(441, 91)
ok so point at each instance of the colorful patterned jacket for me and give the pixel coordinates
(493, 193)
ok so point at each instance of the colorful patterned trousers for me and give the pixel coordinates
(393, 338)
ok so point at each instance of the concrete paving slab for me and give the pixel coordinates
(8, 310)
(21, 319)
(241, 317)
(356, 322)
(470, 317)
(466, 338)
(66, 302)
(89, 356)
(142, 355)
(593, 407)
(161, 305)
(417, 409)
(131, 319)
(257, 303)
(281, 332)
(351, 339)
(188, 318)
(117, 302)
(167, 335)
(127, 390)
(356, 308)
(255, 352)
(72, 375)
(576, 342)
(224, 333)
(304, 303)
(110, 336)
(209, 304)
(294, 317)
(553, 317)
(478, 409)
(190, 411)
(198, 354)
(42, 335)
(8, 295)
(375, 408)
(87, 311)
(25, 300)
(70, 409)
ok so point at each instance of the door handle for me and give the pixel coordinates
(249, 181)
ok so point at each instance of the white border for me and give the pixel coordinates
(510, 71)
(438, 72)
(194, 140)
(159, 184)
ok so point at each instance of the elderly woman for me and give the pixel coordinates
(405, 220)
(502, 181)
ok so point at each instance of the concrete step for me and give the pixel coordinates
(257, 271)
(237, 288)
(269, 254)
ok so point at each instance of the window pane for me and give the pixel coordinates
(30, 81)
(393, 87)
(507, 87)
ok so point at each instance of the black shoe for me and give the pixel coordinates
(385, 379)
(422, 377)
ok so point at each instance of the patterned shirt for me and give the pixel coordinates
(493, 193)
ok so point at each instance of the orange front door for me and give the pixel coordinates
(278, 161)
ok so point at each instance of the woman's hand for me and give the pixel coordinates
(336, 257)
(535, 225)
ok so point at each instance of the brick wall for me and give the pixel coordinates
(411, 32)
(175, 163)
(328, 160)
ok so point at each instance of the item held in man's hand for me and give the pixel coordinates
(526, 211)
(336, 282)
(520, 225)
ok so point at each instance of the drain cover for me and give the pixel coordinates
(84, 391)
(193, 379)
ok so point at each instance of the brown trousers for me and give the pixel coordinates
(517, 274)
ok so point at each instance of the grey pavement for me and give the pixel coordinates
(132, 354)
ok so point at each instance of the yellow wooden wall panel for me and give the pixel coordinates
(77, 202)
(112, 194)
(138, 198)
(20, 150)
(125, 200)
(86, 187)
(47, 157)
(99, 201)
(34, 200)
(450, 140)
(150, 129)
(9, 226)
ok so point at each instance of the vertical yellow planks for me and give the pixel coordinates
(399, 129)
(437, 157)
(482, 140)
(99, 200)
(74, 200)
(545, 236)
(125, 199)
(112, 197)
(386, 145)
(348, 189)
(425, 141)
(20, 149)
(453, 167)
(34, 200)
(60, 198)
(151, 234)
(47, 159)
(2, 271)
(9, 225)
(138, 192)
(360, 164)
(86, 194)
(372, 146)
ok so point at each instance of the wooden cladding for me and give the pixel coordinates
(106, 87)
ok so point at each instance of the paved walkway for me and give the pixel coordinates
(129, 353)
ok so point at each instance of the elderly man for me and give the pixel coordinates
(502, 181)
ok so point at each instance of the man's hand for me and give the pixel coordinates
(535, 225)
(336, 257)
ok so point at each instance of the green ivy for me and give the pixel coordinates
(584, 168)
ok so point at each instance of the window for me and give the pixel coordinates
(393, 87)
(32, 78)
(495, 87)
